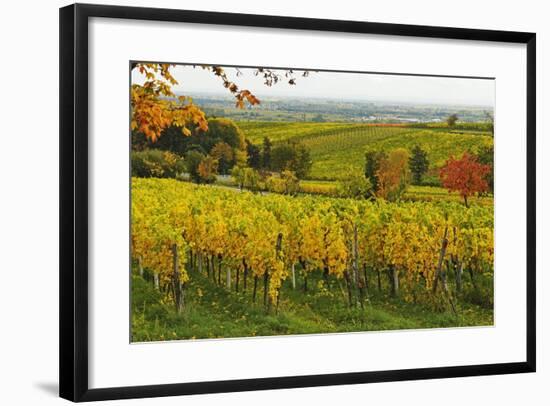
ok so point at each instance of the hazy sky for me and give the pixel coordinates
(351, 86)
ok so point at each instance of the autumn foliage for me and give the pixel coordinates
(156, 107)
(207, 169)
(465, 175)
(393, 174)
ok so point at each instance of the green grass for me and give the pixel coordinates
(319, 187)
(484, 127)
(212, 311)
(338, 147)
(413, 192)
(433, 193)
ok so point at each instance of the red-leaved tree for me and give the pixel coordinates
(465, 175)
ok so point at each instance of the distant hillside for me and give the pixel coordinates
(335, 147)
(307, 109)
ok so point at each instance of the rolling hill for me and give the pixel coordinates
(337, 147)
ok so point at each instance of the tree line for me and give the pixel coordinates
(388, 174)
(222, 150)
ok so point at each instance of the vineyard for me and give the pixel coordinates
(335, 147)
(413, 192)
(271, 259)
(283, 130)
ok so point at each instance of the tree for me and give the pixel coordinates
(155, 163)
(266, 153)
(485, 155)
(251, 179)
(223, 153)
(291, 156)
(254, 158)
(155, 107)
(291, 182)
(451, 120)
(237, 173)
(393, 175)
(286, 183)
(240, 157)
(207, 169)
(465, 175)
(318, 118)
(418, 164)
(224, 140)
(226, 130)
(246, 178)
(355, 186)
(192, 162)
(219, 130)
(372, 165)
(302, 163)
(281, 156)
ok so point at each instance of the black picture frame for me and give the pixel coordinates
(73, 196)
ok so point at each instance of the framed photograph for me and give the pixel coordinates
(257, 202)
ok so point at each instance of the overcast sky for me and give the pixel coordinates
(350, 86)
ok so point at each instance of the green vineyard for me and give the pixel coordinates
(337, 147)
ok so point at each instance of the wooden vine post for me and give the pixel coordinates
(245, 274)
(219, 269)
(394, 275)
(266, 283)
(457, 266)
(176, 281)
(359, 283)
(255, 289)
(140, 266)
(278, 250)
(439, 273)
(355, 259)
(293, 269)
(443, 249)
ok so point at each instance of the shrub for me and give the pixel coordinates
(154, 163)
(246, 178)
(328, 189)
(355, 186)
(287, 183)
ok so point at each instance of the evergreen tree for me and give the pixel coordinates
(254, 157)
(418, 164)
(266, 153)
